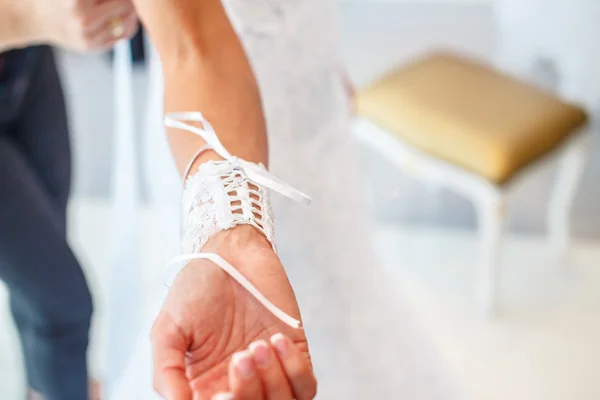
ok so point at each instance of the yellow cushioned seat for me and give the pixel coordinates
(469, 114)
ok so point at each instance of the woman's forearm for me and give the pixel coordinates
(17, 25)
(206, 69)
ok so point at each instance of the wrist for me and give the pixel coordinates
(235, 245)
(237, 241)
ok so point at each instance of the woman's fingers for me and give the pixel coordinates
(101, 15)
(277, 372)
(106, 39)
(244, 379)
(296, 367)
(274, 380)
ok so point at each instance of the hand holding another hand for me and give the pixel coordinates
(84, 25)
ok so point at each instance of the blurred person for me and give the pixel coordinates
(268, 72)
(49, 297)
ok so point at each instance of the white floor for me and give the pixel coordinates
(543, 346)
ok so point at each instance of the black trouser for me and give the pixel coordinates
(49, 296)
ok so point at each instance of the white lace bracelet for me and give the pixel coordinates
(221, 195)
(218, 197)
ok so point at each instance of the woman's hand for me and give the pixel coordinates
(208, 322)
(84, 25)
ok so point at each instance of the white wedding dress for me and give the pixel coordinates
(365, 345)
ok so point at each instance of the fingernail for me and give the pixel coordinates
(243, 363)
(260, 352)
(223, 396)
(281, 344)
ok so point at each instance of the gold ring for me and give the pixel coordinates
(117, 29)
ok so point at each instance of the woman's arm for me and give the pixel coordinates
(206, 69)
(17, 26)
(208, 321)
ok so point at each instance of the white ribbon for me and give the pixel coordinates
(258, 175)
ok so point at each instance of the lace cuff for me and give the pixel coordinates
(221, 195)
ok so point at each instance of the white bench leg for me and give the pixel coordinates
(491, 228)
(569, 173)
